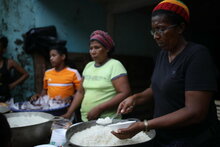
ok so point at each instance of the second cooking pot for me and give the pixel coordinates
(29, 136)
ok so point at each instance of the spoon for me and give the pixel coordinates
(116, 115)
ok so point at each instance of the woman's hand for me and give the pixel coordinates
(126, 106)
(130, 131)
(94, 113)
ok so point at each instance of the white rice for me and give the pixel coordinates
(21, 121)
(102, 136)
(104, 121)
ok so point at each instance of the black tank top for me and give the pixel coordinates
(4, 82)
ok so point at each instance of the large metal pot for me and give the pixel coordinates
(4, 109)
(84, 125)
(29, 136)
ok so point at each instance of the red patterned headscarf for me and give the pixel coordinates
(175, 6)
(104, 38)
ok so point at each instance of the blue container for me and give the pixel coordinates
(56, 111)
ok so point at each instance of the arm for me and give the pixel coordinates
(15, 65)
(195, 110)
(76, 79)
(44, 90)
(122, 88)
(128, 104)
(76, 102)
(37, 96)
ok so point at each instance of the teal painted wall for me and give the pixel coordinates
(16, 17)
(74, 20)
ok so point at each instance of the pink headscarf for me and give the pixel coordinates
(104, 38)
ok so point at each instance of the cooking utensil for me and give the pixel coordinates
(84, 125)
(29, 136)
(120, 125)
(117, 115)
(45, 145)
(4, 109)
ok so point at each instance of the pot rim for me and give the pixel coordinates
(43, 114)
(39, 110)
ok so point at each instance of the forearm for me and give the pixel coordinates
(76, 102)
(143, 97)
(195, 110)
(180, 118)
(20, 80)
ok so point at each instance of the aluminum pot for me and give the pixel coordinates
(29, 136)
(84, 125)
(4, 109)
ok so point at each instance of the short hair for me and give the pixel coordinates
(62, 50)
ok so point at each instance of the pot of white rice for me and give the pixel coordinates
(30, 128)
(91, 134)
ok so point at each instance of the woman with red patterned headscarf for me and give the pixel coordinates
(104, 84)
(182, 86)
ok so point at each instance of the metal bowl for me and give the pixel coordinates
(29, 136)
(4, 109)
(84, 125)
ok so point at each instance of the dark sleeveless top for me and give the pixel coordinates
(4, 82)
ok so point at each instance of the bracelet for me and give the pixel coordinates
(146, 125)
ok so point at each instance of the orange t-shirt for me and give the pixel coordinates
(63, 83)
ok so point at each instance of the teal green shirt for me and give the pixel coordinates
(98, 85)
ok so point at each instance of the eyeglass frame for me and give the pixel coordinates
(162, 30)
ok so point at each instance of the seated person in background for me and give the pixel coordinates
(104, 84)
(5, 76)
(61, 81)
(5, 133)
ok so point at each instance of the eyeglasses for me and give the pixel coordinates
(161, 31)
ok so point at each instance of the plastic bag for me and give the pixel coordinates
(61, 123)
